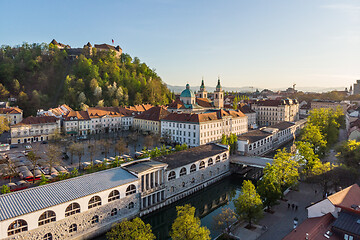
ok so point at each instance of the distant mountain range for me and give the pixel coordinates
(179, 89)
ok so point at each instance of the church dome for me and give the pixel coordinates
(187, 92)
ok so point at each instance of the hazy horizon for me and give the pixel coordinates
(261, 44)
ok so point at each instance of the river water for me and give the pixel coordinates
(208, 203)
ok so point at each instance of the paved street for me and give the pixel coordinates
(282, 221)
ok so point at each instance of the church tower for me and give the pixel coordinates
(219, 96)
(202, 93)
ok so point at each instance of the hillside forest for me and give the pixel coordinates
(43, 76)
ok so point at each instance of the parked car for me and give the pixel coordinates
(28, 147)
(44, 142)
(14, 146)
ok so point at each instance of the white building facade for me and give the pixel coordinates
(35, 129)
(270, 112)
(198, 129)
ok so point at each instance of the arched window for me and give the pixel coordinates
(94, 202)
(210, 162)
(183, 184)
(47, 236)
(47, 217)
(17, 226)
(217, 159)
(113, 212)
(131, 189)
(202, 165)
(72, 209)
(72, 228)
(224, 156)
(95, 219)
(193, 168)
(183, 172)
(193, 180)
(131, 205)
(172, 175)
(172, 189)
(114, 194)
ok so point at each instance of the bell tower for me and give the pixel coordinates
(219, 96)
(202, 93)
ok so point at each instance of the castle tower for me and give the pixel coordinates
(219, 96)
(202, 93)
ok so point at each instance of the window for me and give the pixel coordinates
(183, 184)
(183, 172)
(95, 219)
(202, 165)
(210, 162)
(72, 228)
(72, 209)
(113, 212)
(224, 156)
(94, 201)
(217, 159)
(48, 236)
(131, 189)
(193, 180)
(193, 168)
(17, 226)
(114, 194)
(47, 217)
(131, 205)
(171, 176)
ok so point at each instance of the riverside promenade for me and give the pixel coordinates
(281, 222)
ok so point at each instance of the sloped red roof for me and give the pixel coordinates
(38, 120)
(315, 228)
(346, 198)
(203, 117)
(245, 108)
(80, 115)
(204, 102)
(154, 114)
(177, 104)
(10, 110)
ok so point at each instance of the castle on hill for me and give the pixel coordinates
(199, 102)
(87, 49)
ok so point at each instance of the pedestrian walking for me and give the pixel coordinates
(292, 206)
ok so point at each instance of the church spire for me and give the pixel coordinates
(202, 87)
(218, 87)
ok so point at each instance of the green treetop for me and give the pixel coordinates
(188, 227)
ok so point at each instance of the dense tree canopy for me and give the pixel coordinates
(188, 227)
(248, 205)
(42, 76)
(131, 230)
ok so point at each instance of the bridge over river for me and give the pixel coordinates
(250, 167)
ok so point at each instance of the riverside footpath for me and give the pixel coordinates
(281, 222)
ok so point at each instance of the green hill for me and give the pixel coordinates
(43, 76)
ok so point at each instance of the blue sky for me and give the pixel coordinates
(260, 43)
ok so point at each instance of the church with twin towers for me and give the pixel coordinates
(199, 102)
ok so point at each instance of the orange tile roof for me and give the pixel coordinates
(177, 104)
(346, 198)
(203, 117)
(10, 110)
(38, 120)
(204, 102)
(98, 112)
(314, 227)
(80, 115)
(154, 114)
